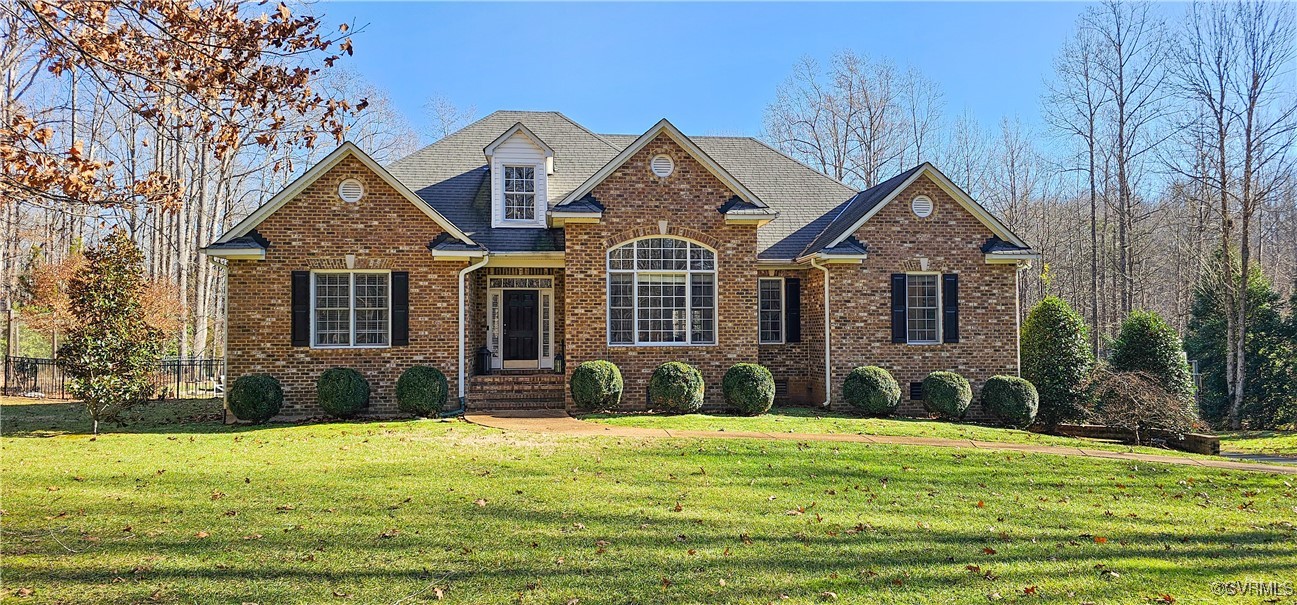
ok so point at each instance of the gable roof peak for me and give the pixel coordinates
(345, 150)
(518, 127)
(664, 126)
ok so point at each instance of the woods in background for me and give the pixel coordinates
(1167, 160)
(1162, 177)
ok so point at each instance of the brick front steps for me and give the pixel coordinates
(515, 391)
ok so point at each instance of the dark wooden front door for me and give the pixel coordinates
(520, 325)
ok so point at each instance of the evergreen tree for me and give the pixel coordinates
(1056, 358)
(109, 355)
(1146, 343)
(1269, 399)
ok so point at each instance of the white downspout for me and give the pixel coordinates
(462, 274)
(828, 368)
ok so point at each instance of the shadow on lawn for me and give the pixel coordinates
(21, 418)
(760, 567)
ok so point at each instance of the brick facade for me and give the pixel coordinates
(636, 202)
(385, 231)
(314, 230)
(950, 239)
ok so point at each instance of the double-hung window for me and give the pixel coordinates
(661, 291)
(922, 308)
(351, 309)
(519, 193)
(770, 294)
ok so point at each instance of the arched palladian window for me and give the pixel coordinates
(661, 291)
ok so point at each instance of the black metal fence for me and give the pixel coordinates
(173, 378)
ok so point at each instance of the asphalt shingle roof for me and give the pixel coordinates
(451, 175)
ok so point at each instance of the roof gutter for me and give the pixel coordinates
(828, 367)
(462, 274)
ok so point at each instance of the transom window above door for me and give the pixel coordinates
(519, 193)
(661, 291)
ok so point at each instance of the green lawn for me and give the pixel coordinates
(1276, 443)
(805, 420)
(382, 512)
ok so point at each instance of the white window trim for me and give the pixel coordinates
(537, 215)
(907, 309)
(351, 303)
(636, 272)
(495, 329)
(783, 311)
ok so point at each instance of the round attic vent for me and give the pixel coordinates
(922, 206)
(662, 165)
(351, 191)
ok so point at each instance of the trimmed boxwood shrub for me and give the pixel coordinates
(1011, 399)
(749, 388)
(421, 390)
(596, 386)
(342, 392)
(676, 387)
(255, 397)
(947, 393)
(872, 390)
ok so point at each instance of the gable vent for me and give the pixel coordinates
(922, 206)
(351, 191)
(662, 165)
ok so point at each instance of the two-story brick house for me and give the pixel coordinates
(518, 247)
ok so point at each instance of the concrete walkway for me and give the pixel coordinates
(557, 422)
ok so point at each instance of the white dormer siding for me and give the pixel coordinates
(520, 151)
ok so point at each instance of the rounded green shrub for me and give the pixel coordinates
(1011, 399)
(342, 392)
(421, 390)
(255, 397)
(1057, 360)
(676, 387)
(596, 386)
(749, 388)
(872, 390)
(947, 393)
(1148, 344)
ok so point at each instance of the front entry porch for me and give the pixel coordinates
(521, 322)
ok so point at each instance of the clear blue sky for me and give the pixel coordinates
(709, 68)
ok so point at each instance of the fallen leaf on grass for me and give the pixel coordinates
(480, 502)
(202, 534)
(988, 551)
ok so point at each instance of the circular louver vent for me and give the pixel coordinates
(350, 190)
(922, 206)
(662, 165)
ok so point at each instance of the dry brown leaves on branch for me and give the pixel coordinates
(209, 70)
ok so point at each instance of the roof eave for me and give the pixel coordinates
(235, 253)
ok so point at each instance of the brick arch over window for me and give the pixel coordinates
(661, 291)
(686, 233)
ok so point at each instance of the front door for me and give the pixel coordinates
(521, 333)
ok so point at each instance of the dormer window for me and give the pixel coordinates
(519, 164)
(519, 193)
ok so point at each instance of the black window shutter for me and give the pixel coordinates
(950, 307)
(898, 307)
(400, 308)
(793, 309)
(301, 308)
